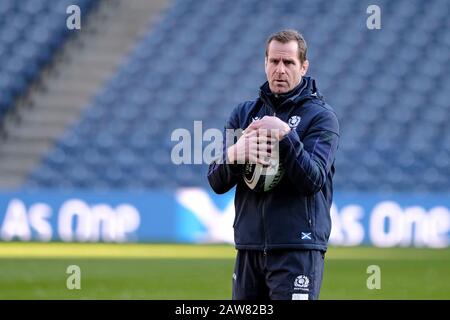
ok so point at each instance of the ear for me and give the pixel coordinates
(266, 61)
(304, 68)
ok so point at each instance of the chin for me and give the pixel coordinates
(278, 90)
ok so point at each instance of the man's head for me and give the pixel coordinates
(285, 62)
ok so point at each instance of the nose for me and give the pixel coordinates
(281, 68)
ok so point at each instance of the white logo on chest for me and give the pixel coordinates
(294, 121)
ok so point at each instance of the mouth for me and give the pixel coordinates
(280, 81)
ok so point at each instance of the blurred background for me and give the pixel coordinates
(86, 116)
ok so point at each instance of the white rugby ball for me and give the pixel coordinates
(261, 178)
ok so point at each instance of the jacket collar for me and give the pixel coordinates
(307, 89)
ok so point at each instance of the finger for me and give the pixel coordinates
(272, 142)
(274, 133)
(260, 154)
(263, 162)
(251, 132)
(252, 147)
(263, 132)
(255, 124)
(264, 143)
(264, 155)
(253, 140)
(247, 146)
(261, 150)
(253, 159)
(252, 125)
(258, 160)
(265, 148)
(262, 136)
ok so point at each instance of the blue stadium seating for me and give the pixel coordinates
(390, 88)
(30, 33)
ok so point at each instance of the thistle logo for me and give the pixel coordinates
(301, 282)
(294, 121)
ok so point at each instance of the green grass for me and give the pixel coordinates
(157, 271)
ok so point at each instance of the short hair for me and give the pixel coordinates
(285, 36)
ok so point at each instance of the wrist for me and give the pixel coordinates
(285, 131)
(231, 152)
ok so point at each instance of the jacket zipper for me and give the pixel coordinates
(308, 216)
(264, 228)
(264, 219)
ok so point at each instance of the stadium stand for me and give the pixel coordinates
(389, 87)
(79, 69)
(31, 31)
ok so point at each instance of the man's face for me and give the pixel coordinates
(283, 68)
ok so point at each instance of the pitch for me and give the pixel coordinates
(169, 271)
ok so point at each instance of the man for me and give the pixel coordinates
(281, 235)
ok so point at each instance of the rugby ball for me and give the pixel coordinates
(261, 178)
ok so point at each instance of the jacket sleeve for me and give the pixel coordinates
(222, 175)
(308, 162)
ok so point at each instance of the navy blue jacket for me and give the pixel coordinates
(295, 214)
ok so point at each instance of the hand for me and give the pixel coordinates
(251, 148)
(273, 127)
